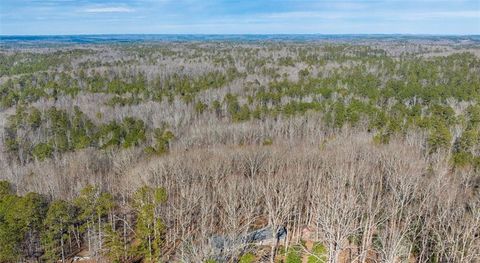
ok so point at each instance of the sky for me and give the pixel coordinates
(66, 17)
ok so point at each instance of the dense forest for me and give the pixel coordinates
(231, 151)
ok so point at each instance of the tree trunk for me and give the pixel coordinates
(61, 244)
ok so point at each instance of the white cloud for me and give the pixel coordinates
(109, 9)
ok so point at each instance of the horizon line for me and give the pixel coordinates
(243, 34)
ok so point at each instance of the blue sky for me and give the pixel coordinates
(47, 17)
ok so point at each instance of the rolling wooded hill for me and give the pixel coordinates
(265, 150)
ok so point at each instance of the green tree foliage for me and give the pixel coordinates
(114, 245)
(473, 114)
(232, 104)
(286, 61)
(9, 243)
(243, 114)
(319, 254)
(42, 151)
(94, 205)
(20, 224)
(134, 132)
(33, 229)
(439, 138)
(339, 115)
(465, 147)
(200, 107)
(35, 118)
(149, 227)
(130, 132)
(57, 131)
(293, 255)
(5, 189)
(59, 221)
(444, 113)
(237, 112)
(216, 106)
(162, 139)
(247, 258)
(82, 130)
